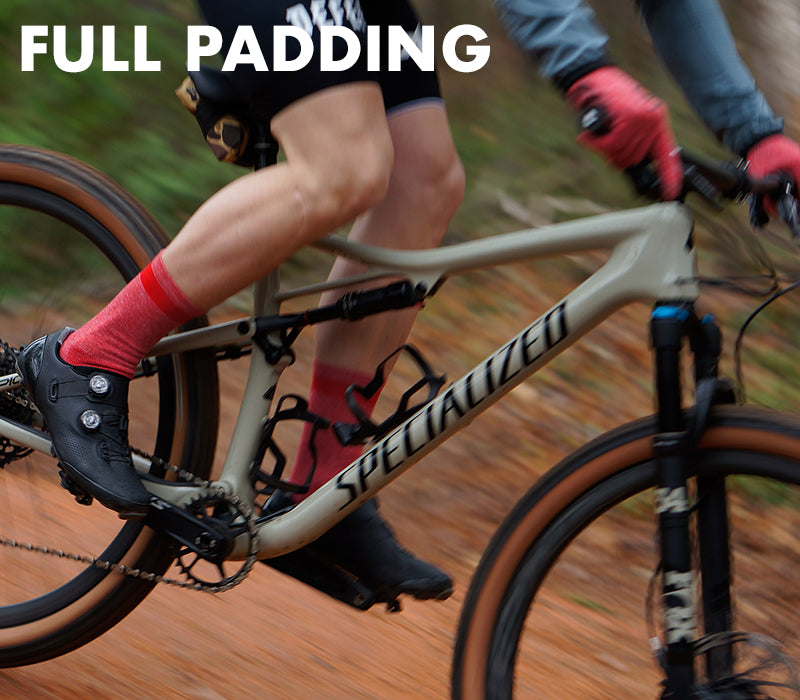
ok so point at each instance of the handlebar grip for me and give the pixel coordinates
(596, 121)
(645, 179)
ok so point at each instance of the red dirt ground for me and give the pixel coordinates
(274, 638)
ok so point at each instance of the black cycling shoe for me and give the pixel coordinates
(364, 545)
(86, 411)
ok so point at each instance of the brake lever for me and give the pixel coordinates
(787, 209)
(786, 204)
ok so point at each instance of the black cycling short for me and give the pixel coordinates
(274, 90)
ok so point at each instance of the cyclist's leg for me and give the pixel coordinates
(425, 188)
(424, 191)
(333, 130)
(338, 159)
(242, 233)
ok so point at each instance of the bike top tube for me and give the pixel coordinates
(429, 267)
(651, 258)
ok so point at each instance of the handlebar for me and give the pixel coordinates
(730, 181)
(713, 181)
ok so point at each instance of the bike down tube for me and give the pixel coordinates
(656, 262)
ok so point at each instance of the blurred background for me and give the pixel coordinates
(517, 141)
(511, 128)
(515, 136)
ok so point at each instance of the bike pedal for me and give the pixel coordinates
(392, 605)
(81, 496)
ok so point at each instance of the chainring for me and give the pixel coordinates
(229, 513)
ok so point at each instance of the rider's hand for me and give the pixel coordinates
(638, 125)
(776, 154)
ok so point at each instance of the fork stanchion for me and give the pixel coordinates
(668, 325)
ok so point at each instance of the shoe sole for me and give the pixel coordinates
(125, 511)
(413, 588)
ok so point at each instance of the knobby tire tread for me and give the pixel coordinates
(754, 432)
(53, 179)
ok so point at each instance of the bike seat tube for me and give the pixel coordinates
(265, 146)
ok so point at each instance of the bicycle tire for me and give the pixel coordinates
(512, 593)
(50, 607)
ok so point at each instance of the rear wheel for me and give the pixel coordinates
(69, 240)
(565, 602)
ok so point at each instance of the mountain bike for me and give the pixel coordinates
(696, 464)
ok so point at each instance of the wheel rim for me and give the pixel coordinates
(49, 594)
(587, 586)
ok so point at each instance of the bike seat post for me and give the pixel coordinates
(265, 146)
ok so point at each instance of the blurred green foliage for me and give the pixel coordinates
(511, 128)
(513, 132)
(127, 124)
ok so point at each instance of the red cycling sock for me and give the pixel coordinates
(147, 308)
(327, 399)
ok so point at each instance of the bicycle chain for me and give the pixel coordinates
(105, 565)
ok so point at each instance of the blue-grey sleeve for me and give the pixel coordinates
(560, 35)
(691, 36)
(695, 42)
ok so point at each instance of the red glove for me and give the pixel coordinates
(638, 127)
(775, 154)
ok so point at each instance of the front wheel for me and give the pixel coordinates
(69, 240)
(565, 602)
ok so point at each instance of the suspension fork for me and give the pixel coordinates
(667, 329)
(713, 532)
(674, 443)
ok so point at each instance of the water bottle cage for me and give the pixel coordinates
(273, 481)
(294, 407)
(365, 429)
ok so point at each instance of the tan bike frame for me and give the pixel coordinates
(651, 258)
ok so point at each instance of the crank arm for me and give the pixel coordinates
(213, 542)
